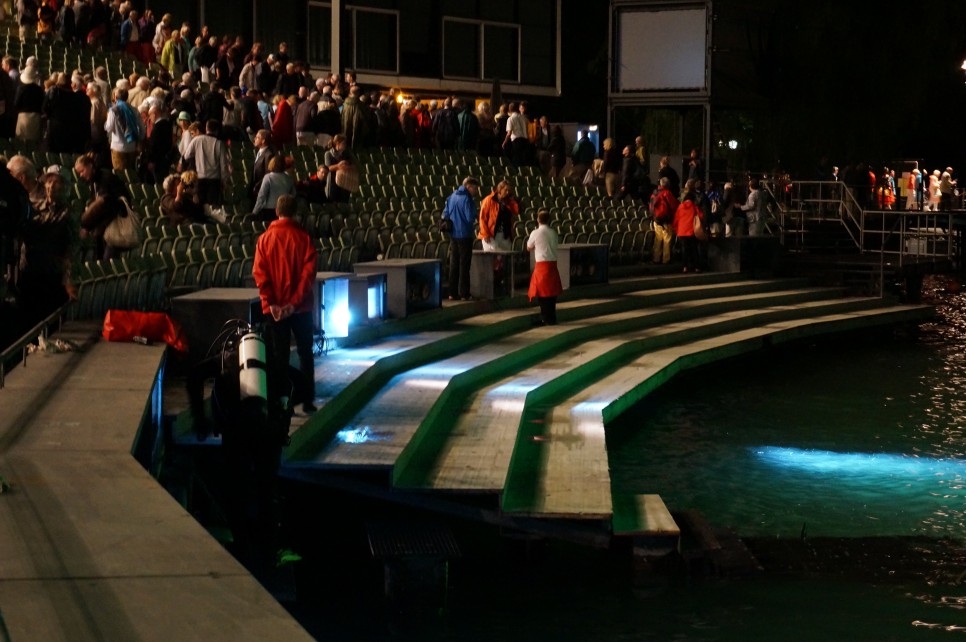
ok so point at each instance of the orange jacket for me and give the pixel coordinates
(489, 209)
(684, 218)
(284, 267)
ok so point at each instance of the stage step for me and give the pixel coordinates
(420, 402)
(349, 378)
(514, 414)
(643, 516)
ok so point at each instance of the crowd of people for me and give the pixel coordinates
(199, 103)
(205, 99)
(924, 191)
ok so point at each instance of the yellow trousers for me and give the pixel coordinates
(661, 252)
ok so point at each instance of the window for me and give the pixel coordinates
(376, 40)
(319, 40)
(481, 50)
(461, 49)
(501, 49)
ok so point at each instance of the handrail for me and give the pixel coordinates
(40, 329)
(891, 232)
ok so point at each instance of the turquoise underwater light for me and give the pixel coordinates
(827, 462)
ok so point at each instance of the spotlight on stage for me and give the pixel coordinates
(348, 301)
(334, 309)
(367, 298)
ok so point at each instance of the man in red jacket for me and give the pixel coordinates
(284, 272)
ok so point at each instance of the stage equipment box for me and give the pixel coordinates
(203, 314)
(493, 274)
(412, 285)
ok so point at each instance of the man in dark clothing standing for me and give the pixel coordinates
(288, 83)
(461, 212)
(304, 115)
(582, 156)
(355, 120)
(160, 145)
(446, 126)
(666, 171)
(213, 105)
(265, 153)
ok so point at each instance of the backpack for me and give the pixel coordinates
(660, 207)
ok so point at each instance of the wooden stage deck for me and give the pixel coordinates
(493, 407)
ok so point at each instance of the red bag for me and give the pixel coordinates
(125, 325)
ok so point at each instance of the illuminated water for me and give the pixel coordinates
(862, 438)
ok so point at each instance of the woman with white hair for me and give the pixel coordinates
(28, 103)
(933, 204)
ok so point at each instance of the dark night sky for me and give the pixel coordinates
(856, 81)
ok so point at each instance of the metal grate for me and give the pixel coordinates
(400, 540)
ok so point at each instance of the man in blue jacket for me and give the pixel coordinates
(461, 213)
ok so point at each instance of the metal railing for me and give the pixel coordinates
(909, 235)
(8, 358)
(897, 237)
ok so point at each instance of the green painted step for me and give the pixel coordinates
(417, 465)
(322, 427)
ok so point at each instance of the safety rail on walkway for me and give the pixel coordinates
(898, 238)
(909, 235)
(8, 358)
(904, 234)
(806, 203)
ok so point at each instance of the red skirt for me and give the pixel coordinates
(545, 280)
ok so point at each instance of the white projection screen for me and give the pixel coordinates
(662, 49)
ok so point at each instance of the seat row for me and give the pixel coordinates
(131, 283)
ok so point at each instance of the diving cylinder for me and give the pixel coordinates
(253, 374)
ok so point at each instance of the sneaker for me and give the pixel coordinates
(308, 408)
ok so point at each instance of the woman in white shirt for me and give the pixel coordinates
(545, 281)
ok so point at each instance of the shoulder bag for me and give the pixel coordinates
(699, 232)
(124, 232)
(348, 178)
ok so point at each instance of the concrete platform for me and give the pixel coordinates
(91, 546)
